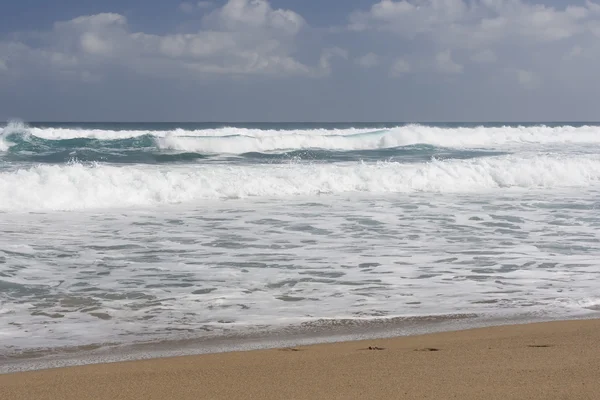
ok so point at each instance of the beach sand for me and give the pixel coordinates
(555, 360)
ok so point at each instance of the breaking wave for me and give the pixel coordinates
(78, 186)
(17, 137)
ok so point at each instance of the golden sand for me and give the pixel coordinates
(556, 360)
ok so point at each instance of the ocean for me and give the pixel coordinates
(116, 235)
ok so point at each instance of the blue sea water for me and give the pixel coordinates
(123, 233)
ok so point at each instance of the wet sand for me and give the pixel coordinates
(554, 360)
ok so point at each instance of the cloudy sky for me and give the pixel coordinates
(300, 60)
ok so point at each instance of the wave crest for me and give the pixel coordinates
(11, 129)
(77, 186)
(246, 140)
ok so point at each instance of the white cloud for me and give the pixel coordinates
(506, 35)
(238, 15)
(369, 60)
(244, 37)
(94, 21)
(399, 68)
(408, 18)
(92, 44)
(96, 35)
(478, 24)
(445, 63)
(489, 18)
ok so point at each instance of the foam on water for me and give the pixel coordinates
(70, 133)
(11, 128)
(381, 139)
(161, 240)
(78, 186)
(192, 271)
(229, 140)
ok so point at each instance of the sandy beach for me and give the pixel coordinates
(555, 360)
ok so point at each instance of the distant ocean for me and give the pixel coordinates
(114, 234)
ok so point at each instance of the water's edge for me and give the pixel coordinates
(330, 332)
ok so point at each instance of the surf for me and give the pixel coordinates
(232, 140)
(79, 186)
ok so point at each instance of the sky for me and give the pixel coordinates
(300, 60)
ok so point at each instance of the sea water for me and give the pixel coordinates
(118, 234)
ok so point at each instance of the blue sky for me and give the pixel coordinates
(292, 60)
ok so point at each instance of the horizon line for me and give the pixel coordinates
(304, 122)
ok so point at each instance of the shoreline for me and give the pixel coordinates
(542, 360)
(330, 332)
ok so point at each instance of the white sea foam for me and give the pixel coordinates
(242, 140)
(478, 137)
(149, 274)
(13, 127)
(71, 133)
(77, 186)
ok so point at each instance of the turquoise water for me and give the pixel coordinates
(140, 143)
